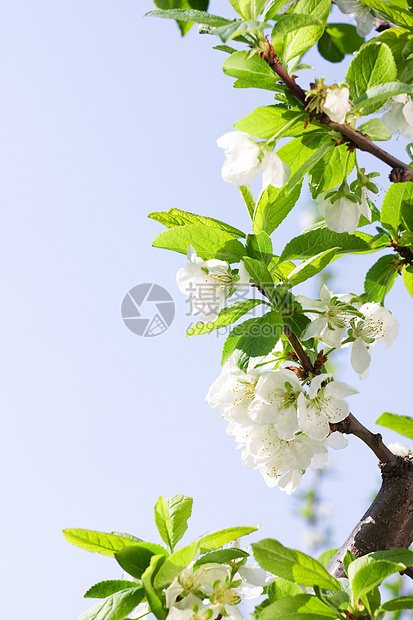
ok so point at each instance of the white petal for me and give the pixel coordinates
(316, 383)
(290, 481)
(408, 112)
(338, 410)
(343, 215)
(319, 461)
(232, 141)
(274, 171)
(286, 424)
(313, 422)
(360, 356)
(339, 389)
(336, 440)
(244, 276)
(399, 449)
(315, 328)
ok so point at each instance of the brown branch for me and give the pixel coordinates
(400, 173)
(300, 353)
(352, 426)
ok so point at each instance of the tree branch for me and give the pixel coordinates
(352, 426)
(400, 173)
(299, 351)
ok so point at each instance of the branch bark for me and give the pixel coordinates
(400, 172)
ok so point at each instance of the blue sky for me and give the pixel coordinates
(107, 116)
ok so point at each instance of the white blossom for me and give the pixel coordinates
(399, 449)
(399, 119)
(378, 325)
(233, 391)
(336, 104)
(323, 405)
(244, 161)
(275, 402)
(208, 283)
(331, 320)
(343, 215)
(362, 14)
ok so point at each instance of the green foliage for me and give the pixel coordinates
(176, 563)
(175, 217)
(380, 277)
(227, 316)
(298, 607)
(251, 71)
(155, 597)
(259, 246)
(104, 589)
(296, 43)
(310, 267)
(106, 544)
(135, 559)
(397, 202)
(318, 240)
(375, 97)
(329, 171)
(375, 129)
(215, 540)
(339, 40)
(257, 338)
(273, 207)
(248, 9)
(408, 278)
(293, 565)
(402, 424)
(394, 14)
(171, 518)
(404, 602)
(207, 242)
(281, 588)
(274, 122)
(260, 275)
(223, 556)
(115, 607)
(290, 23)
(373, 66)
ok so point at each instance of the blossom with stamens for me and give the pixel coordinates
(399, 119)
(323, 405)
(378, 325)
(275, 402)
(331, 319)
(208, 283)
(336, 104)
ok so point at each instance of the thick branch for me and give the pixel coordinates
(299, 351)
(388, 522)
(352, 426)
(401, 172)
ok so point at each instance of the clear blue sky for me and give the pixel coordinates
(105, 117)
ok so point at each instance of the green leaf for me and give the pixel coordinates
(398, 555)
(398, 198)
(403, 602)
(375, 97)
(366, 573)
(215, 540)
(107, 588)
(297, 323)
(373, 66)
(408, 279)
(380, 278)
(260, 275)
(291, 23)
(136, 558)
(402, 424)
(227, 316)
(175, 217)
(372, 601)
(252, 71)
(297, 152)
(259, 246)
(326, 556)
(273, 207)
(375, 129)
(310, 267)
(176, 563)
(299, 42)
(115, 607)
(335, 165)
(191, 16)
(299, 607)
(236, 28)
(156, 599)
(339, 40)
(280, 588)
(223, 556)
(261, 337)
(248, 199)
(106, 544)
(129, 536)
(313, 242)
(293, 565)
(395, 15)
(347, 560)
(207, 242)
(171, 517)
(233, 338)
(248, 9)
(308, 165)
(396, 39)
(274, 122)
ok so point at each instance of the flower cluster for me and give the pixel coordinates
(366, 324)
(206, 591)
(282, 428)
(245, 159)
(209, 283)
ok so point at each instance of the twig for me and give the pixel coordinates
(352, 426)
(299, 351)
(400, 173)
